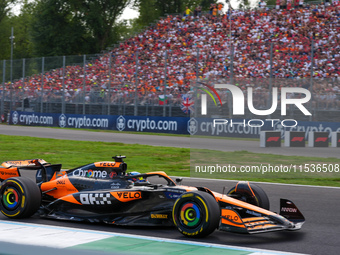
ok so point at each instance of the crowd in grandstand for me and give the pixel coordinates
(236, 45)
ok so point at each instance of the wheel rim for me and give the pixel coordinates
(190, 215)
(11, 198)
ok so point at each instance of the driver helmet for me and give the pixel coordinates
(136, 179)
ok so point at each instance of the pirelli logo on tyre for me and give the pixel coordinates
(188, 195)
(126, 196)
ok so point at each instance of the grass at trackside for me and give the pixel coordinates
(208, 161)
(144, 158)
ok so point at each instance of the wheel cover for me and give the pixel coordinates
(11, 198)
(190, 215)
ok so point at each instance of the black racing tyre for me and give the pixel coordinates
(250, 193)
(196, 214)
(20, 197)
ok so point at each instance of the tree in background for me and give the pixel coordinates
(21, 24)
(73, 27)
(5, 31)
(99, 18)
(148, 12)
(151, 10)
(5, 7)
(56, 31)
(206, 4)
(6, 23)
(246, 3)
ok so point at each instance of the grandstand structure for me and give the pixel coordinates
(155, 71)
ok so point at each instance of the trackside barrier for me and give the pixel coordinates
(270, 139)
(318, 139)
(294, 139)
(172, 125)
(175, 125)
(335, 139)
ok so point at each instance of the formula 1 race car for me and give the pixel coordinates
(105, 192)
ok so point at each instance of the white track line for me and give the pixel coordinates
(269, 183)
(62, 237)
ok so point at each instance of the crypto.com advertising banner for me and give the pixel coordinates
(110, 122)
(243, 111)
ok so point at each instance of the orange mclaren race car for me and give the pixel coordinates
(105, 192)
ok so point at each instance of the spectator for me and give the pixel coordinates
(289, 4)
(211, 8)
(262, 4)
(215, 11)
(278, 4)
(301, 3)
(196, 12)
(187, 11)
(220, 9)
(199, 9)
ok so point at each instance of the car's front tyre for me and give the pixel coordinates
(196, 214)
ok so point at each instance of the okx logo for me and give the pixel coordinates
(238, 99)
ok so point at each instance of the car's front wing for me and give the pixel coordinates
(231, 221)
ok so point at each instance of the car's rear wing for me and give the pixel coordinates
(11, 168)
(27, 163)
(45, 170)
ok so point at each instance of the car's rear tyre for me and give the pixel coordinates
(20, 197)
(250, 193)
(196, 214)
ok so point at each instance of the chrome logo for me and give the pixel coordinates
(90, 173)
(190, 214)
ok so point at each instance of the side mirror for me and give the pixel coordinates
(179, 180)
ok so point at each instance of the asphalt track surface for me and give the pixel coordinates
(171, 141)
(320, 205)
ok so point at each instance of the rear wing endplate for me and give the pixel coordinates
(27, 163)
